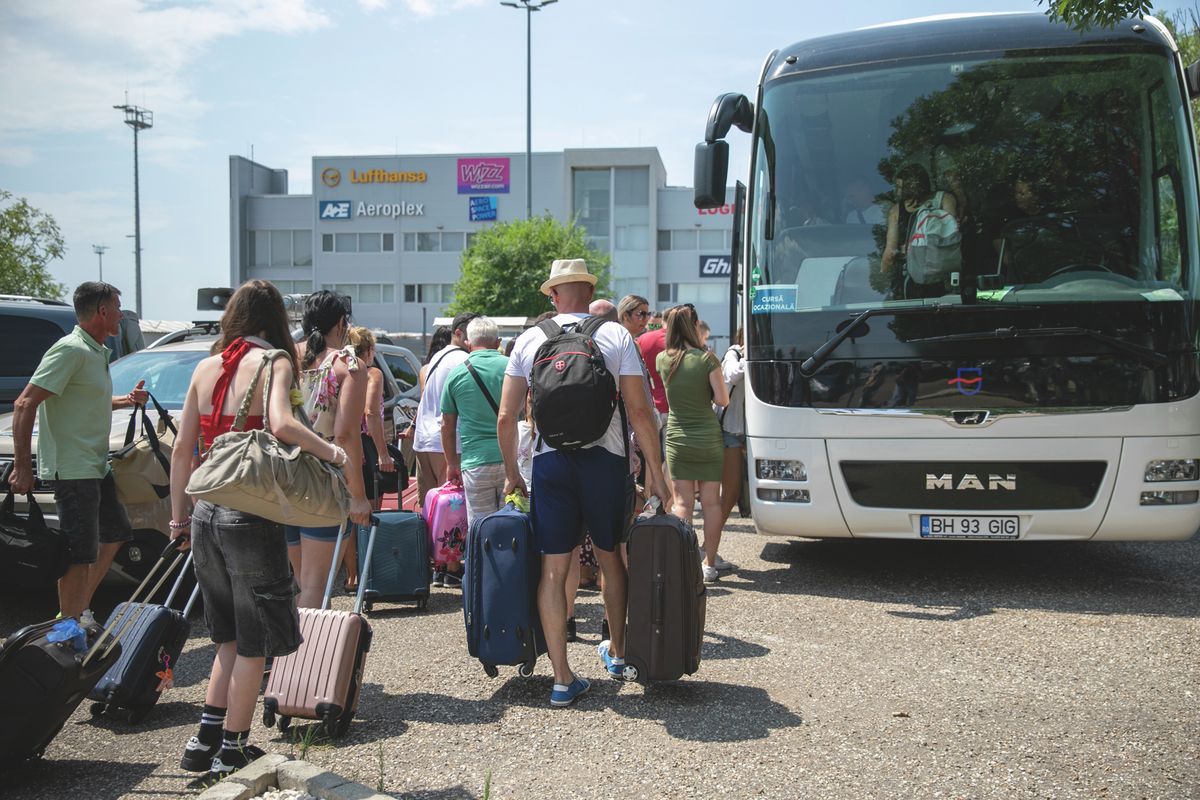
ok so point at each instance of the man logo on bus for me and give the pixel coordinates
(969, 381)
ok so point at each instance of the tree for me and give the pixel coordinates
(503, 269)
(1084, 14)
(29, 241)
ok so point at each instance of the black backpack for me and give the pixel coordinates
(574, 394)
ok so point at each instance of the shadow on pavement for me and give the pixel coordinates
(50, 777)
(718, 646)
(691, 709)
(952, 581)
(449, 793)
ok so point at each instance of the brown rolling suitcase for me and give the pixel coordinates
(665, 628)
(321, 680)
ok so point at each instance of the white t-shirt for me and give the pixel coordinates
(621, 356)
(428, 437)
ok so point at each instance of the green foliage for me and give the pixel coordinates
(1084, 14)
(1184, 25)
(503, 269)
(29, 241)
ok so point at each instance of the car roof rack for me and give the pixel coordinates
(23, 298)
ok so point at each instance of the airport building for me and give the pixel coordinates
(389, 231)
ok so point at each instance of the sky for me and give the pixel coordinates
(290, 79)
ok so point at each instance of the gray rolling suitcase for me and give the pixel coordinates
(665, 627)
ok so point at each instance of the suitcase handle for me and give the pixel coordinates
(333, 565)
(125, 617)
(365, 575)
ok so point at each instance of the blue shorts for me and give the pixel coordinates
(578, 490)
(733, 439)
(293, 534)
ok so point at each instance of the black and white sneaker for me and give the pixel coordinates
(229, 761)
(198, 756)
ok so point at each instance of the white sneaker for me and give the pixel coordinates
(87, 619)
(724, 566)
(710, 573)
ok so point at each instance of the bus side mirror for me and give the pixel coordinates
(712, 167)
(1191, 76)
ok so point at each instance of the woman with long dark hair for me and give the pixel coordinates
(693, 381)
(241, 559)
(334, 389)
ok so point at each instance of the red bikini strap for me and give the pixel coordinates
(231, 356)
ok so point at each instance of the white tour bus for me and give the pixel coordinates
(968, 266)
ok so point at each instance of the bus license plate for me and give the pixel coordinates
(955, 527)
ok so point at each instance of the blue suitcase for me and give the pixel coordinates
(152, 638)
(500, 592)
(400, 570)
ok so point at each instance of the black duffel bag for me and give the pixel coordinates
(32, 554)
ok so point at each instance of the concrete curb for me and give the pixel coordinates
(277, 771)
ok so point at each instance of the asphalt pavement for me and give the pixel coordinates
(835, 669)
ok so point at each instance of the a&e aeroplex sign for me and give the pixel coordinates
(715, 267)
(341, 209)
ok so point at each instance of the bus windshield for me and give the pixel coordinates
(1061, 180)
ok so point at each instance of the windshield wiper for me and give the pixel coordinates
(1141, 352)
(822, 353)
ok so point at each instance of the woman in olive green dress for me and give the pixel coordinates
(695, 450)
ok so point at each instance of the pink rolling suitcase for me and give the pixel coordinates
(445, 511)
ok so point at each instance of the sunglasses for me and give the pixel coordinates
(643, 314)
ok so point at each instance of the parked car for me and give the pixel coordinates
(28, 325)
(167, 369)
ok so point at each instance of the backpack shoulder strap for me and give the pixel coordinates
(590, 326)
(479, 382)
(439, 360)
(550, 328)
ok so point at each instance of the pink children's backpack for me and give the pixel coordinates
(445, 511)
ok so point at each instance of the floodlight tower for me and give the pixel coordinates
(99, 249)
(530, 6)
(139, 119)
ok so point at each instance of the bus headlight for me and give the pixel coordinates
(784, 495)
(1180, 469)
(774, 470)
(1167, 498)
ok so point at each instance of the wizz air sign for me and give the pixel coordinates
(483, 175)
(715, 267)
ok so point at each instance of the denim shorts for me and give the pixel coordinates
(90, 514)
(244, 575)
(577, 491)
(294, 534)
(733, 439)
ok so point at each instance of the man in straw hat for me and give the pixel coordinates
(584, 487)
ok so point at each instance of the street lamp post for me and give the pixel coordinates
(99, 249)
(530, 6)
(139, 119)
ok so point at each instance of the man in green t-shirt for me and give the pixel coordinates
(70, 394)
(470, 403)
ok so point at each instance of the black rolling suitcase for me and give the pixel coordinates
(44, 682)
(665, 628)
(150, 648)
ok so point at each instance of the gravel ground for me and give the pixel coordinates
(831, 669)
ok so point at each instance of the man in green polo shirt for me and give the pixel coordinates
(469, 407)
(70, 393)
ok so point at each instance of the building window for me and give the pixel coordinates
(302, 248)
(389, 243)
(357, 243)
(683, 240)
(710, 292)
(452, 242)
(345, 243)
(471, 239)
(429, 293)
(666, 293)
(326, 242)
(365, 293)
(664, 240)
(624, 286)
(712, 239)
(293, 287)
(261, 250)
(369, 242)
(429, 242)
(592, 196)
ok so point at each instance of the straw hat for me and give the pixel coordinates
(567, 270)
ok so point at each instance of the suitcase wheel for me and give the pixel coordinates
(525, 670)
(491, 670)
(98, 709)
(268, 718)
(423, 603)
(630, 673)
(367, 606)
(285, 724)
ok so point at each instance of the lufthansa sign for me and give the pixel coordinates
(385, 176)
